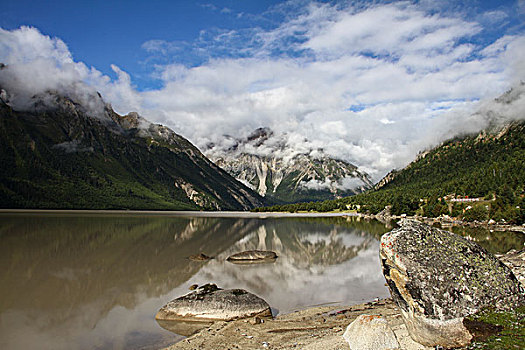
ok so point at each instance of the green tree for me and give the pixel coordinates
(476, 213)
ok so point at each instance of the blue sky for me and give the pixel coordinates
(372, 83)
(101, 33)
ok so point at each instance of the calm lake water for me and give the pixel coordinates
(70, 281)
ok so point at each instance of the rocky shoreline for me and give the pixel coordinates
(444, 221)
(315, 328)
(311, 329)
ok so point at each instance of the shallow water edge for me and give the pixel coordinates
(215, 214)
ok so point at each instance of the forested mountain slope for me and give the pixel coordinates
(57, 154)
(488, 166)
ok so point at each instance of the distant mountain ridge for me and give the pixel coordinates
(264, 163)
(59, 153)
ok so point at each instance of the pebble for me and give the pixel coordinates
(255, 320)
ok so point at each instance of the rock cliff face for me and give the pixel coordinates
(438, 278)
(265, 163)
(386, 179)
(58, 152)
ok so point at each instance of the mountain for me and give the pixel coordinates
(266, 163)
(487, 166)
(77, 153)
(474, 164)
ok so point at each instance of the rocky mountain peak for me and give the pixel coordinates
(260, 135)
(268, 163)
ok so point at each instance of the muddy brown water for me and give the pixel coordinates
(95, 281)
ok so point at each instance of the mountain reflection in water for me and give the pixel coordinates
(96, 281)
(317, 264)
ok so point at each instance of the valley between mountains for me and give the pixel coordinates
(76, 152)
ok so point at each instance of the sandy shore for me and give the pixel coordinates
(312, 329)
(319, 328)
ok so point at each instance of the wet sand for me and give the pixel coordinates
(315, 328)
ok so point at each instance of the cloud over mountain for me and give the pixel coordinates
(371, 84)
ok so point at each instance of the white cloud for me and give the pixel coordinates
(369, 84)
(36, 63)
(156, 45)
(521, 6)
(317, 185)
(393, 30)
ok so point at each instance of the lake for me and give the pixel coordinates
(95, 281)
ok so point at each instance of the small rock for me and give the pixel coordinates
(193, 287)
(255, 320)
(370, 332)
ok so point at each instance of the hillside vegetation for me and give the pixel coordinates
(488, 166)
(56, 156)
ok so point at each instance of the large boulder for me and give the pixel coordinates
(211, 303)
(437, 278)
(370, 332)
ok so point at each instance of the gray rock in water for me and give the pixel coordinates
(370, 332)
(437, 278)
(253, 256)
(211, 303)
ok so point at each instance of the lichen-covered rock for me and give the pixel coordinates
(370, 332)
(211, 303)
(437, 278)
(253, 256)
(515, 260)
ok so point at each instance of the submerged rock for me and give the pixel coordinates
(185, 328)
(437, 278)
(200, 257)
(370, 332)
(212, 303)
(253, 256)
